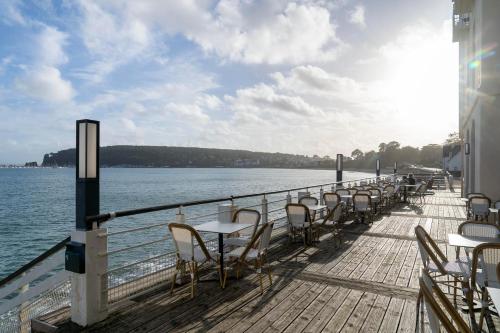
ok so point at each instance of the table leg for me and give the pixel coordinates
(221, 252)
(404, 194)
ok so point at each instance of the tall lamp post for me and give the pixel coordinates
(377, 168)
(395, 168)
(340, 167)
(87, 268)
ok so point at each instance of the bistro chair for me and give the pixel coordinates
(329, 223)
(310, 201)
(363, 206)
(467, 204)
(347, 202)
(436, 262)
(486, 258)
(477, 229)
(331, 200)
(299, 221)
(376, 202)
(389, 195)
(255, 252)
(191, 251)
(244, 216)
(480, 207)
(440, 310)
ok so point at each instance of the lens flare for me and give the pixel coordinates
(482, 54)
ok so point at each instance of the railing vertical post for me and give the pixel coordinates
(180, 217)
(21, 314)
(265, 210)
(88, 299)
(288, 198)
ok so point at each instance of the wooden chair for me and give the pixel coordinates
(330, 223)
(440, 310)
(244, 216)
(434, 261)
(191, 251)
(254, 253)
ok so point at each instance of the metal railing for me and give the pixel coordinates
(43, 286)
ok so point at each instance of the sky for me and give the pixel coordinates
(303, 77)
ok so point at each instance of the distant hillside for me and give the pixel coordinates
(184, 157)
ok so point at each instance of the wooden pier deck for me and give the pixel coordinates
(368, 284)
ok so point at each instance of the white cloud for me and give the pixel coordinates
(50, 47)
(45, 83)
(357, 16)
(10, 13)
(267, 32)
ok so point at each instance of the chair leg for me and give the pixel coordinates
(174, 277)
(258, 266)
(192, 274)
(221, 283)
(225, 278)
(484, 307)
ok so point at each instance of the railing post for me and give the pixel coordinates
(288, 198)
(180, 217)
(84, 257)
(340, 167)
(24, 328)
(265, 210)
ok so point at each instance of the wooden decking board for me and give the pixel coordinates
(368, 284)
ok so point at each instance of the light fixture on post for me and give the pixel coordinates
(340, 167)
(377, 168)
(467, 148)
(89, 298)
(87, 172)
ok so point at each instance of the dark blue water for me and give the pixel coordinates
(37, 205)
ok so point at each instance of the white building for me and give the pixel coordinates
(477, 30)
(452, 159)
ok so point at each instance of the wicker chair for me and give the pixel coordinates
(485, 257)
(244, 216)
(363, 206)
(299, 221)
(440, 310)
(310, 201)
(480, 207)
(255, 252)
(434, 261)
(467, 205)
(389, 195)
(329, 223)
(191, 251)
(347, 202)
(377, 201)
(331, 200)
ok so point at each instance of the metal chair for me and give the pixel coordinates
(255, 252)
(440, 310)
(244, 216)
(299, 221)
(191, 251)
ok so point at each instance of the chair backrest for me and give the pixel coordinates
(429, 251)
(297, 214)
(331, 199)
(343, 191)
(375, 191)
(390, 189)
(265, 239)
(185, 238)
(480, 205)
(309, 201)
(367, 192)
(474, 194)
(352, 191)
(361, 201)
(260, 240)
(440, 310)
(478, 229)
(422, 188)
(496, 204)
(486, 257)
(247, 216)
(334, 214)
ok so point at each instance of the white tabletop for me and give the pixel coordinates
(465, 241)
(221, 227)
(464, 199)
(495, 296)
(317, 207)
(493, 210)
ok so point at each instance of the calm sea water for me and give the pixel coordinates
(37, 205)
